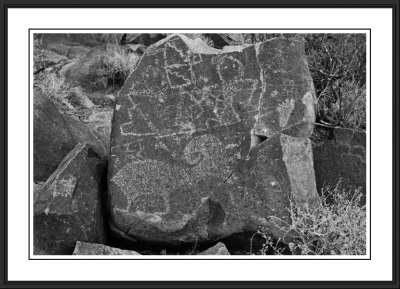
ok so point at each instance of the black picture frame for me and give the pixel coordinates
(394, 5)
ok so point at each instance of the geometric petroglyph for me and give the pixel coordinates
(179, 73)
(183, 132)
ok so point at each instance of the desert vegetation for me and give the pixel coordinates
(336, 226)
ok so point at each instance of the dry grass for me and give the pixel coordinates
(117, 64)
(337, 226)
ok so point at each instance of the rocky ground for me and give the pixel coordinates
(162, 144)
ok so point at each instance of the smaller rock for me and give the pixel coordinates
(78, 98)
(339, 154)
(145, 39)
(83, 248)
(102, 99)
(68, 207)
(218, 249)
(221, 40)
(52, 140)
(92, 127)
(44, 59)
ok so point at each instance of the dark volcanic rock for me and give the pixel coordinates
(94, 128)
(52, 141)
(145, 39)
(68, 207)
(206, 143)
(218, 249)
(83, 248)
(56, 134)
(339, 154)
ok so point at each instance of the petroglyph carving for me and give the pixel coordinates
(179, 74)
(285, 110)
(184, 134)
(203, 154)
(206, 156)
(229, 69)
(64, 187)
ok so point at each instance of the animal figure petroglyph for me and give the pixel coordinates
(203, 155)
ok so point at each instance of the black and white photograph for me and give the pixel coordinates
(149, 144)
(199, 143)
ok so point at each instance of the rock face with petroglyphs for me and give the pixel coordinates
(67, 208)
(207, 143)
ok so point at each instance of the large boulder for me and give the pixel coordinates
(83, 248)
(339, 158)
(52, 140)
(68, 207)
(206, 143)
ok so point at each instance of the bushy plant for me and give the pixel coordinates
(336, 226)
(117, 64)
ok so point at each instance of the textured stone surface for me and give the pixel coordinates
(340, 154)
(52, 141)
(92, 127)
(186, 159)
(56, 134)
(221, 40)
(218, 249)
(88, 71)
(45, 58)
(83, 248)
(68, 208)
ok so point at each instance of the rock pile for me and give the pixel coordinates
(200, 144)
(68, 207)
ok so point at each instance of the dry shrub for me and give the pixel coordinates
(337, 226)
(117, 64)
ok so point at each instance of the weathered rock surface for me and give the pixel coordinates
(68, 207)
(44, 59)
(145, 39)
(218, 249)
(92, 127)
(56, 134)
(83, 248)
(88, 71)
(206, 143)
(52, 141)
(62, 42)
(78, 98)
(220, 40)
(339, 154)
